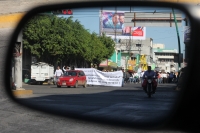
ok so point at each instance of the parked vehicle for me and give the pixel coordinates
(73, 78)
(42, 72)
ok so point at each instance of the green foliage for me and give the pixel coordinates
(53, 38)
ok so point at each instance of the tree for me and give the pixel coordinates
(109, 44)
(55, 39)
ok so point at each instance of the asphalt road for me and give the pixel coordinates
(128, 104)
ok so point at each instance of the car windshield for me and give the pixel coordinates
(70, 73)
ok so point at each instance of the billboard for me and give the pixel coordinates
(112, 21)
(138, 33)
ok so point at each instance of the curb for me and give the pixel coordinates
(22, 92)
(47, 84)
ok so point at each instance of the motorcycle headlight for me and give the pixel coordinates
(149, 80)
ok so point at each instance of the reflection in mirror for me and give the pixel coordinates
(95, 61)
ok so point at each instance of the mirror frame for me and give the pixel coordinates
(189, 10)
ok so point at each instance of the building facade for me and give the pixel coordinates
(164, 59)
(134, 53)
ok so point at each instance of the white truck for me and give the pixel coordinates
(42, 72)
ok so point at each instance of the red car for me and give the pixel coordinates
(72, 78)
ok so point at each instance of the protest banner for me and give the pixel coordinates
(96, 77)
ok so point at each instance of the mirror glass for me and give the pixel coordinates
(92, 61)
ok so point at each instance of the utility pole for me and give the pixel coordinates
(179, 46)
(115, 27)
(18, 62)
(129, 47)
(101, 25)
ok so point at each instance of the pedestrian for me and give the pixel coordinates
(141, 76)
(131, 78)
(123, 78)
(180, 78)
(58, 73)
(174, 77)
(156, 76)
(65, 69)
(171, 76)
(73, 68)
(164, 77)
(136, 78)
(161, 77)
(138, 72)
(127, 77)
(167, 80)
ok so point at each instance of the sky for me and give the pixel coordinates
(90, 19)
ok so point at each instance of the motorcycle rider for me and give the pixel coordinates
(151, 73)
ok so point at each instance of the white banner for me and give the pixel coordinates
(96, 77)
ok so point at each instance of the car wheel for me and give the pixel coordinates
(85, 84)
(68, 86)
(76, 85)
(58, 86)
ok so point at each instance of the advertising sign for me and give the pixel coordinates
(104, 63)
(139, 33)
(96, 77)
(112, 19)
(136, 33)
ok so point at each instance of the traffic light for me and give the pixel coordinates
(63, 12)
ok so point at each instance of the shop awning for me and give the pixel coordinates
(107, 63)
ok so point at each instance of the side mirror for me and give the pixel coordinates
(77, 39)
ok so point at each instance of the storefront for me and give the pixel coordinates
(108, 65)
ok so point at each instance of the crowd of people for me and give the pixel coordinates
(162, 77)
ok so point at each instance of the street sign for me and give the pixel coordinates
(151, 19)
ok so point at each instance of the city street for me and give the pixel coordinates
(129, 103)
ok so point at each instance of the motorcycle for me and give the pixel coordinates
(150, 85)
